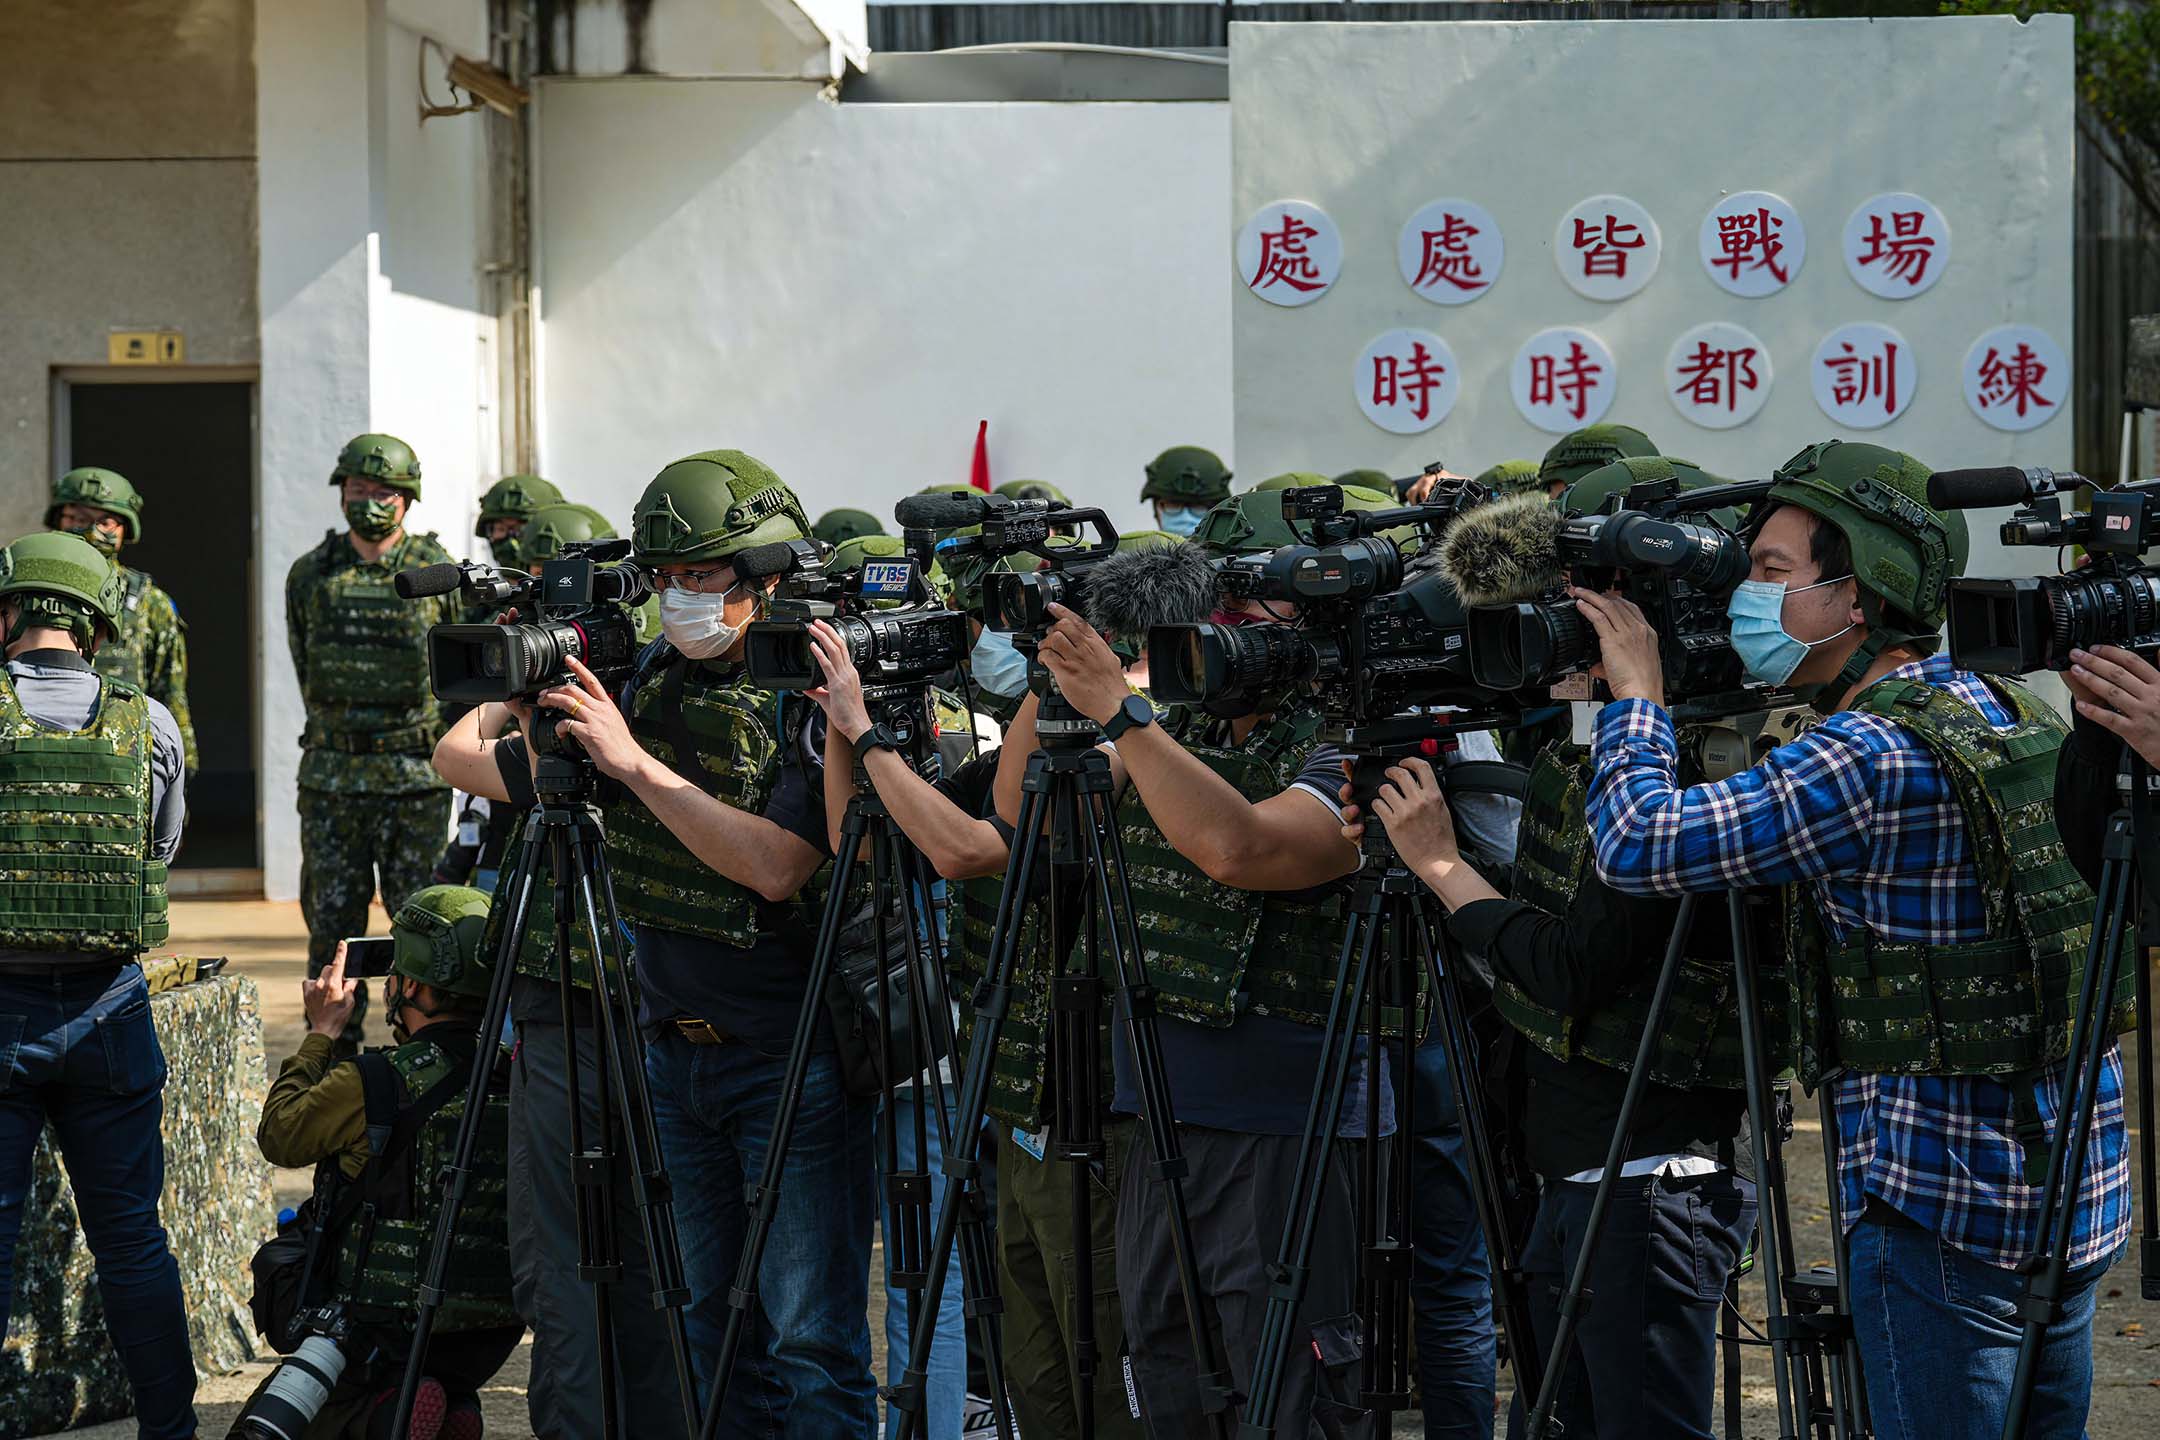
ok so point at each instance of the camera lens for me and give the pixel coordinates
(1523, 647)
(1223, 666)
(2084, 611)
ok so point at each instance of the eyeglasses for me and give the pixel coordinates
(690, 579)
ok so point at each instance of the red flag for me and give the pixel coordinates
(979, 474)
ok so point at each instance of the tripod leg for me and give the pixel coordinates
(1076, 1127)
(1845, 1360)
(1769, 1182)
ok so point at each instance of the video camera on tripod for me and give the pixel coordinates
(2016, 626)
(895, 632)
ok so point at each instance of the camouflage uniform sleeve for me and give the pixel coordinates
(315, 1109)
(167, 678)
(296, 587)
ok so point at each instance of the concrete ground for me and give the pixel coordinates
(267, 940)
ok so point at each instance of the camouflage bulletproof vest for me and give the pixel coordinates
(2001, 1005)
(1023, 1049)
(734, 729)
(383, 1251)
(76, 872)
(365, 646)
(1699, 1037)
(1213, 951)
(125, 657)
(536, 947)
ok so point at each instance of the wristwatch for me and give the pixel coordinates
(1135, 711)
(878, 737)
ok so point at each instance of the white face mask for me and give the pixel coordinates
(696, 623)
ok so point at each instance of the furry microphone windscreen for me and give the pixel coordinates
(1503, 551)
(1130, 594)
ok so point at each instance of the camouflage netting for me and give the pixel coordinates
(57, 1369)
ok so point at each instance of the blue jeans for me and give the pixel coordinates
(804, 1364)
(78, 1051)
(1955, 1321)
(945, 1385)
(1451, 1286)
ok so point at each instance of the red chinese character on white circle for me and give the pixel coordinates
(1289, 253)
(1607, 247)
(1863, 375)
(2016, 377)
(1896, 245)
(1406, 381)
(1752, 243)
(1562, 379)
(1450, 252)
(1718, 375)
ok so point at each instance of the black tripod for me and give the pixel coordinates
(1392, 941)
(564, 824)
(1068, 794)
(2115, 922)
(898, 875)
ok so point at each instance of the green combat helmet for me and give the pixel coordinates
(383, 458)
(837, 527)
(551, 527)
(1031, 490)
(1509, 476)
(59, 579)
(1905, 552)
(105, 489)
(437, 932)
(1578, 452)
(1594, 491)
(514, 497)
(709, 506)
(1252, 522)
(1367, 480)
(1187, 474)
(1145, 540)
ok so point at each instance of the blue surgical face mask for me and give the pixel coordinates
(1182, 521)
(1767, 650)
(997, 667)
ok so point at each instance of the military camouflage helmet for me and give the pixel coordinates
(1905, 552)
(105, 489)
(1367, 479)
(514, 497)
(1145, 540)
(1509, 476)
(709, 506)
(437, 934)
(1578, 452)
(551, 527)
(61, 579)
(1253, 521)
(1031, 490)
(383, 458)
(1595, 491)
(1187, 473)
(837, 527)
(1292, 480)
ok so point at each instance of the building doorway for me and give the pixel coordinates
(189, 448)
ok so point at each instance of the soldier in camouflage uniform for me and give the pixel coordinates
(150, 652)
(91, 780)
(372, 812)
(1184, 482)
(1936, 930)
(340, 1115)
(1579, 452)
(506, 509)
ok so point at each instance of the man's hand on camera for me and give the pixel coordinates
(1627, 645)
(841, 694)
(329, 999)
(2120, 691)
(1084, 665)
(1416, 815)
(597, 726)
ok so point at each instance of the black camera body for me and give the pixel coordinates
(581, 602)
(897, 636)
(2017, 626)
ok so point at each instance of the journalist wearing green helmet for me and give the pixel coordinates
(1936, 934)
(715, 829)
(1231, 826)
(150, 649)
(1579, 452)
(837, 527)
(91, 778)
(1184, 482)
(372, 809)
(379, 1128)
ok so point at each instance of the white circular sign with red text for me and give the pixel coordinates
(2016, 377)
(1752, 243)
(1289, 253)
(1563, 379)
(1406, 381)
(1863, 375)
(1607, 247)
(1450, 252)
(1896, 245)
(1718, 375)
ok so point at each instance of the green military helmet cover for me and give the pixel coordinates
(1290, 480)
(105, 489)
(437, 933)
(1145, 540)
(1251, 522)
(383, 458)
(837, 527)
(1366, 479)
(551, 527)
(1578, 452)
(710, 505)
(515, 497)
(1591, 494)
(61, 577)
(1509, 476)
(1905, 552)
(1187, 473)
(1032, 490)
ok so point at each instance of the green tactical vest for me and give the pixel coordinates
(1996, 1006)
(76, 871)
(383, 1251)
(1699, 1038)
(365, 646)
(536, 947)
(1213, 951)
(125, 657)
(1023, 1050)
(734, 729)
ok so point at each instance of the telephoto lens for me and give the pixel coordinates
(1228, 669)
(296, 1392)
(1529, 646)
(2014, 627)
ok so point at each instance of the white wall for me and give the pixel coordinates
(1370, 122)
(844, 291)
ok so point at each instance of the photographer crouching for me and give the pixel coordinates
(378, 1127)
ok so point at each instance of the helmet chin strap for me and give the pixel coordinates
(1826, 697)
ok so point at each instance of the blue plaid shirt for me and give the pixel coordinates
(1858, 811)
